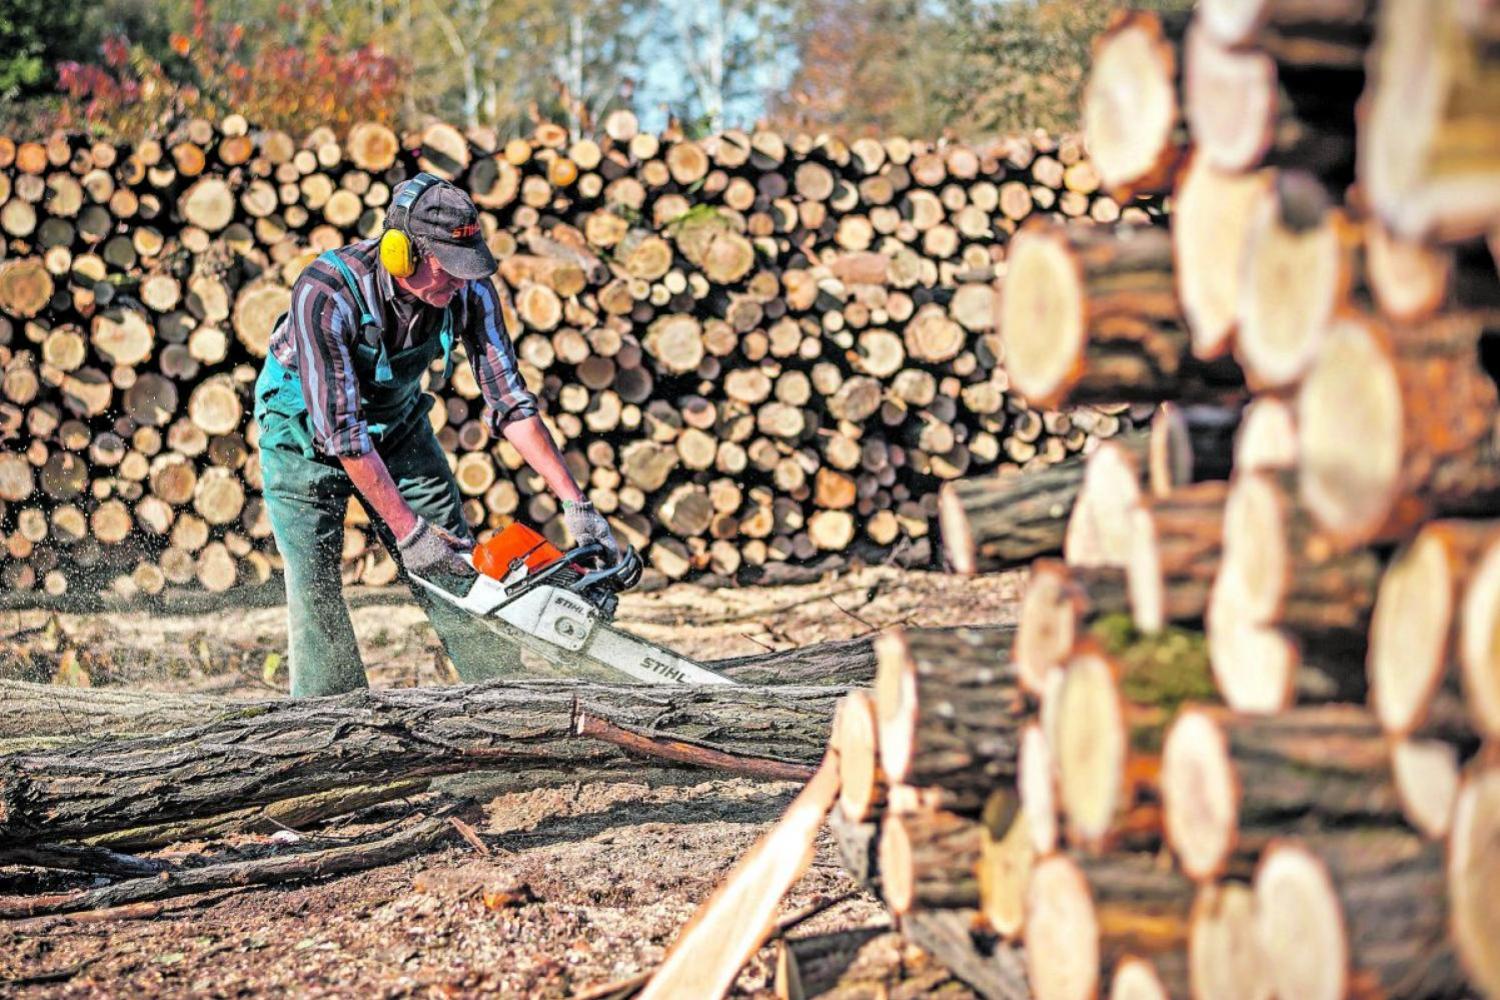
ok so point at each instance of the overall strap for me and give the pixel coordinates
(383, 361)
(446, 339)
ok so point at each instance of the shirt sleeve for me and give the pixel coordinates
(322, 327)
(487, 337)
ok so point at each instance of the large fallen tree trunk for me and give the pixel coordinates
(280, 750)
(36, 716)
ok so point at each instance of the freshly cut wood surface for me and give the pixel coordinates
(945, 705)
(1415, 630)
(1473, 867)
(1396, 425)
(1086, 916)
(1211, 222)
(930, 860)
(1091, 314)
(1060, 601)
(1298, 268)
(1130, 104)
(1225, 958)
(1479, 654)
(1429, 151)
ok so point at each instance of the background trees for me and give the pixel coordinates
(969, 68)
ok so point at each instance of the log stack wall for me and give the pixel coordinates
(754, 349)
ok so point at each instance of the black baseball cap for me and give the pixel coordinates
(445, 223)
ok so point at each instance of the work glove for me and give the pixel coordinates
(429, 550)
(587, 525)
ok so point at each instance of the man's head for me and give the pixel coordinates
(443, 226)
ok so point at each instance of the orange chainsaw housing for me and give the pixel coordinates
(494, 556)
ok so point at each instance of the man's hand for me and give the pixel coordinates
(587, 525)
(429, 550)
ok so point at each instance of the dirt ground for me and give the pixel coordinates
(584, 884)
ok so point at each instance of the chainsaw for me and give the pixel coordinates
(560, 605)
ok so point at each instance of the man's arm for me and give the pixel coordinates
(375, 484)
(534, 443)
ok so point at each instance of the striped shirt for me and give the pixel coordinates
(316, 338)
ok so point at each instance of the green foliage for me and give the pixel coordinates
(969, 68)
(1164, 670)
(34, 36)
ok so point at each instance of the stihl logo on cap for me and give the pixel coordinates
(466, 230)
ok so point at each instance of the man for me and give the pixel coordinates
(341, 409)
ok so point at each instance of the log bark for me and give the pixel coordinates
(1090, 314)
(944, 704)
(277, 750)
(999, 521)
(1085, 917)
(994, 970)
(1396, 425)
(1414, 629)
(1328, 926)
(1230, 784)
(1175, 547)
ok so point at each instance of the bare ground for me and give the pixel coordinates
(584, 884)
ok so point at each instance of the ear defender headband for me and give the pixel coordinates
(397, 255)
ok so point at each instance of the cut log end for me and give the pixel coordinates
(896, 866)
(895, 703)
(1130, 110)
(958, 539)
(1254, 666)
(1473, 874)
(1479, 643)
(859, 774)
(1200, 794)
(1426, 776)
(1143, 575)
(1225, 959)
(1136, 979)
(1099, 527)
(1409, 633)
(1047, 624)
(1301, 924)
(1294, 276)
(1041, 317)
(1267, 437)
(1036, 783)
(1062, 935)
(1091, 748)
(1350, 430)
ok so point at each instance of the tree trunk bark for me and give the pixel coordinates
(281, 750)
(1090, 314)
(946, 703)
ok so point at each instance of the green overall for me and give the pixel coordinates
(306, 494)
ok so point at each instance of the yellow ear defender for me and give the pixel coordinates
(397, 254)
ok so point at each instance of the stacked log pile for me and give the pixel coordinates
(1246, 739)
(753, 349)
